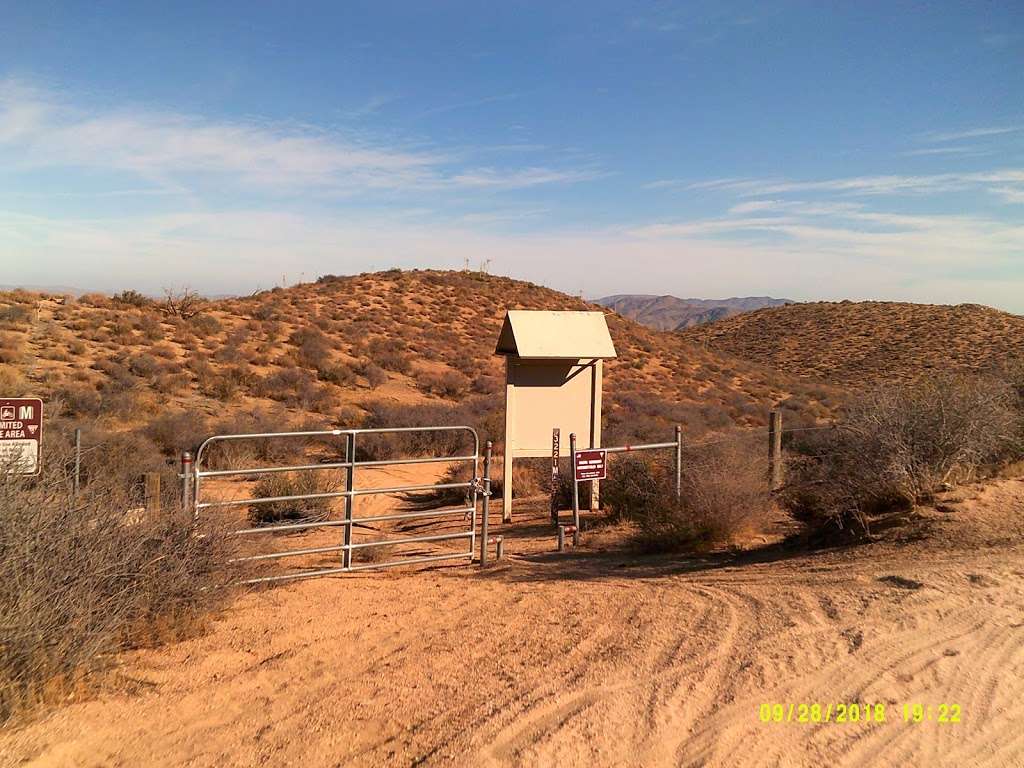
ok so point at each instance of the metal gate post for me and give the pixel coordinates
(484, 524)
(350, 476)
(186, 485)
(575, 489)
(679, 463)
(775, 450)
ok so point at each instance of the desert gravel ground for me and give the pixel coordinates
(592, 658)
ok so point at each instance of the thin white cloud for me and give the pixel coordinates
(962, 150)
(868, 185)
(39, 130)
(970, 133)
(1009, 194)
(516, 179)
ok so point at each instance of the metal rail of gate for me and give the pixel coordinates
(349, 464)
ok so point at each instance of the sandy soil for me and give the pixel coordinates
(593, 658)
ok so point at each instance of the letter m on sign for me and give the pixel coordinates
(26, 412)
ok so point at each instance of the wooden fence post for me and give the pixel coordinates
(152, 492)
(775, 450)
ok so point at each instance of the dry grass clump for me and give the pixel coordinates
(897, 446)
(724, 495)
(83, 579)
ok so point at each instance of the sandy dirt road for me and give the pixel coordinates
(596, 658)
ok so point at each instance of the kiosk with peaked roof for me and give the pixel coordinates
(553, 372)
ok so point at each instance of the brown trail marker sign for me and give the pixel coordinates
(591, 465)
(553, 379)
(21, 432)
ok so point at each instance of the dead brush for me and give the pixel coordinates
(80, 580)
(724, 496)
(899, 445)
(307, 483)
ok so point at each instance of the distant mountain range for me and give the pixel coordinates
(670, 313)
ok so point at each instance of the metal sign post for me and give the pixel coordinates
(21, 434)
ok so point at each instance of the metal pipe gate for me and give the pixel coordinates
(474, 487)
(676, 445)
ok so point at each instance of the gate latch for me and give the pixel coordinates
(479, 486)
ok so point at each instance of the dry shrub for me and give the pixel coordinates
(375, 375)
(82, 579)
(241, 454)
(313, 348)
(530, 478)
(12, 382)
(12, 347)
(294, 484)
(485, 384)
(79, 400)
(724, 495)
(177, 431)
(897, 446)
(448, 384)
(164, 350)
(172, 383)
(228, 383)
(144, 365)
(296, 387)
(204, 325)
(390, 354)
(131, 299)
(15, 316)
(480, 413)
(229, 353)
(151, 328)
(340, 374)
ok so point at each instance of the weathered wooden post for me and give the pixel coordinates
(152, 492)
(775, 450)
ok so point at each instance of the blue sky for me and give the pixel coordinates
(799, 149)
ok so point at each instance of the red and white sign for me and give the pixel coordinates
(591, 465)
(21, 433)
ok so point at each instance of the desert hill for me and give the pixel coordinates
(668, 313)
(333, 348)
(864, 343)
